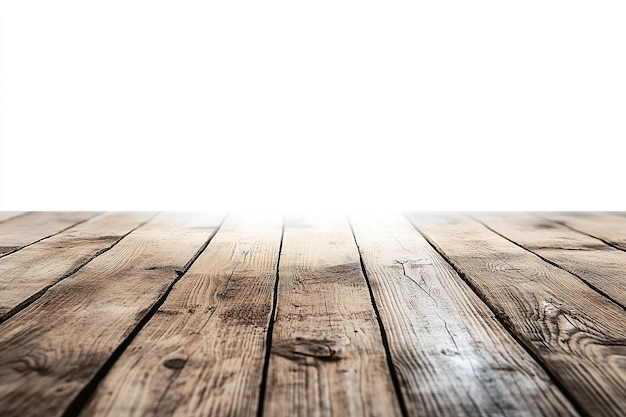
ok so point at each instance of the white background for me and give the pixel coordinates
(407, 105)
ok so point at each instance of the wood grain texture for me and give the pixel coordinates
(596, 263)
(327, 358)
(577, 334)
(50, 350)
(26, 274)
(607, 226)
(202, 354)
(6, 215)
(17, 232)
(452, 355)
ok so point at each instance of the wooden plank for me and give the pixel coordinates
(596, 263)
(26, 274)
(54, 347)
(327, 353)
(202, 354)
(21, 231)
(452, 355)
(576, 333)
(607, 226)
(7, 215)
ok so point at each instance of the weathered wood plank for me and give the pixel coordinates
(452, 355)
(596, 263)
(202, 353)
(577, 334)
(609, 227)
(6, 215)
(26, 274)
(50, 350)
(21, 231)
(327, 353)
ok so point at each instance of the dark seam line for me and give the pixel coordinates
(590, 285)
(49, 236)
(502, 319)
(87, 391)
(564, 224)
(21, 306)
(270, 330)
(383, 334)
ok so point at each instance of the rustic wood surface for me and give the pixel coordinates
(17, 232)
(575, 332)
(28, 273)
(327, 354)
(52, 349)
(599, 265)
(203, 351)
(452, 355)
(608, 227)
(6, 215)
(186, 314)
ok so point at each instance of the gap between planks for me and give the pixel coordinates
(77, 406)
(383, 334)
(576, 334)
(78, 403)
(453, 357)
(327, 354)
(27, 274)
(108, 310)
(22, 231)
(202, 353)
(593, 224)
(599, 273)
(270, 329)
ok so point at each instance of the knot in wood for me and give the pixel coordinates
(300, 349)
(176, 363)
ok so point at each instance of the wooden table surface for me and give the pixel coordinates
(261, 314)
